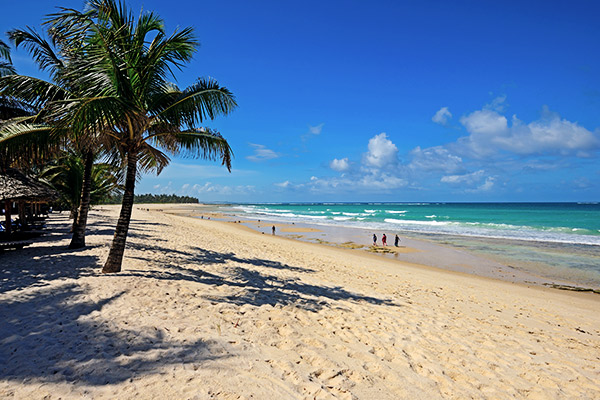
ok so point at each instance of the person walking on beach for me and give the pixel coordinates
(273, 229)
(374, 240)
(396, 241)
(384, 240)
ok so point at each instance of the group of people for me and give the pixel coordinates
(384, 240)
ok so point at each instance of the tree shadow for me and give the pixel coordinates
(55, 335)
(39, 265)
(250, 286)
(213, 257)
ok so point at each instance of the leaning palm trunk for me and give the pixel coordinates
(80, 222)
(115, 256)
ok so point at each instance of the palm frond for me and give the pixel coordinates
(5, 51)
(39, 48)
(33, 91)
(201, 143)
(24, 143)
(201, 101)
(152, 159)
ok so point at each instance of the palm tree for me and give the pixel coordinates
(128, 96)
(58, 59)
(66, 175)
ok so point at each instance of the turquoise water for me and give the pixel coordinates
(551, 240)
(574, 223)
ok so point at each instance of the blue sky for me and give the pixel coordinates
(388, 100)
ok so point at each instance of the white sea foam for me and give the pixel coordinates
(413, 222)
(429, 226)
(396, 211)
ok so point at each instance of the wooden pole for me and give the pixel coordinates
(8, 222)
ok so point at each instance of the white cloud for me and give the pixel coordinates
(210, 188)
(490, 133)
(485, 122)
(380, 172)
(382, 181)
(261, 153)
(283, 184)
(382, 152)
(340, 165)
(474, 182)
(316, 130)
(441, 116)
(487, 185)
(435, 159)
(466, 179)
(498, 104)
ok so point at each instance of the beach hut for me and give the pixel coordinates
(20, 188)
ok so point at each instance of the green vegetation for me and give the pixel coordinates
(110, 96)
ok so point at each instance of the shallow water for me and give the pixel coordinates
(542, 244)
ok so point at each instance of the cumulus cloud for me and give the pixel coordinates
(442, 116)
(380, 171)
(485, 122)
(261, 153)
(490, 133)
(382, 152)
(340, 165)
(435, 158)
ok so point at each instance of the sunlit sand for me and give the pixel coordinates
(209, 309)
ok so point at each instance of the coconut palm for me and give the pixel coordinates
(58, 58)
(128, 96)
(66, 175)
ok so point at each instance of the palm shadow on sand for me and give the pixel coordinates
(48, 335)
(250, 285)
(54, 334)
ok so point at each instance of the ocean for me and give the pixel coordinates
(559, 240)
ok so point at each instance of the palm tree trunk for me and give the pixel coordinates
(115, 256)
(78, 239)
(74, 213)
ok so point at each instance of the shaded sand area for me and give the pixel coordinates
(211, 310)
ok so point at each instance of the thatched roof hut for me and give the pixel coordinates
(15, 186)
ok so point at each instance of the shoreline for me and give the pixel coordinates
(444, 252)
(212, 309)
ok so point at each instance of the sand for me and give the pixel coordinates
(211, 310)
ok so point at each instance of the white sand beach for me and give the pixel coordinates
(205, 309)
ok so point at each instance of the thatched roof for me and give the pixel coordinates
(14, 185)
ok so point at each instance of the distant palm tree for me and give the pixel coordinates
(66, 175)
(126, 89)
